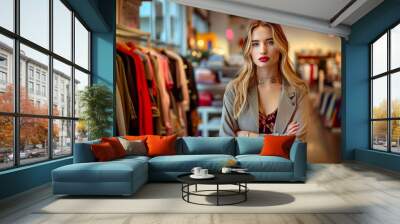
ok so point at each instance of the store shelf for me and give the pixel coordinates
(217, 87)
(211, 115)
(211, 119)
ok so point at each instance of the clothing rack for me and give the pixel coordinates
(127, 32)
(132, 33)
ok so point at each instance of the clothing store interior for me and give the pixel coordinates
(138, 111)
(203, 49)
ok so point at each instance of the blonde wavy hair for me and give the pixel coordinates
(247, 74)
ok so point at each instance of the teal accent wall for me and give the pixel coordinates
(99, 16)
(103, 53)
(355, 85)
(27, 177)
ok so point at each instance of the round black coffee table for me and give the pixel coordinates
(238, 179)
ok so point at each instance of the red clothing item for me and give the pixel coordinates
(145, 115)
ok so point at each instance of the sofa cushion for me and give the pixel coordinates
(134, 147)
(132, 158)
(277, 145)
(161, 145)
(103, 152)
(185, 163)
(116, 145)
(206, 145)
(257, 163)
(112, 171)
(249, 145)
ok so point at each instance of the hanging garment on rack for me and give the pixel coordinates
(124, 105)
(192, 115)
(181, 78)
(177, 90)
(144, 102)
(129, 66)
(162, 85)
(309, 73)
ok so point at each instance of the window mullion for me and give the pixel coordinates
(73, 82)
(50, 81)
(389, 93)
(16, 84)
(371, 92)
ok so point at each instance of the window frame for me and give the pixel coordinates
(388, 74)
(16, 115)
(166, 36)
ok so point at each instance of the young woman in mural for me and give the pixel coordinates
(267, 96)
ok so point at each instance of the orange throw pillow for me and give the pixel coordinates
(134, 138)
(103, 152)
(275, 145)
(116, 145)
(161, 145)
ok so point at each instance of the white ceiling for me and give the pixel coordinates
(316, 15)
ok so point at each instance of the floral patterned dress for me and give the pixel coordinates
(267, 122)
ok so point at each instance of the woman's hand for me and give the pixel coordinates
(246, 134)
(292, 129)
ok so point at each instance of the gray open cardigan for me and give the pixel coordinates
(293, 106)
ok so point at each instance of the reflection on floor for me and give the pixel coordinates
(324, 145)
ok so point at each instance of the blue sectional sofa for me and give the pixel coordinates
(125, 176)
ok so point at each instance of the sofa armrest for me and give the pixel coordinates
(298, 155)
(83, 152)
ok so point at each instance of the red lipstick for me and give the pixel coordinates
(263, 58)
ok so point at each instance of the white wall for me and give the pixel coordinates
(303, 39)
(219, 24)
(298, 38)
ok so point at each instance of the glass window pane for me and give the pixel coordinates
(62, 138)
(395, 47)
(6, 74)
(379, 98)
(34, 96)
(145, 16)
(379, 55)
(175, 22)
(395, 94)
(33, 140)
(379, 135)
(35, 21)
(81, 81)
(62, 29)
(81, 45)
(7, 14)
(160, 31)
(62, 89)
(6, 142)
(81, 131)
(395, 136)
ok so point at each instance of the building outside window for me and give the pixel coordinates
(3, 72)
(37, 75)
(38, 89)
(43, 77)
(30, 87)
(57, 134)
(43, 90)
(30, 72)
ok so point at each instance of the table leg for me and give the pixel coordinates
(196, 188)
(217, 194)
(188, 189)
(245, 193)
